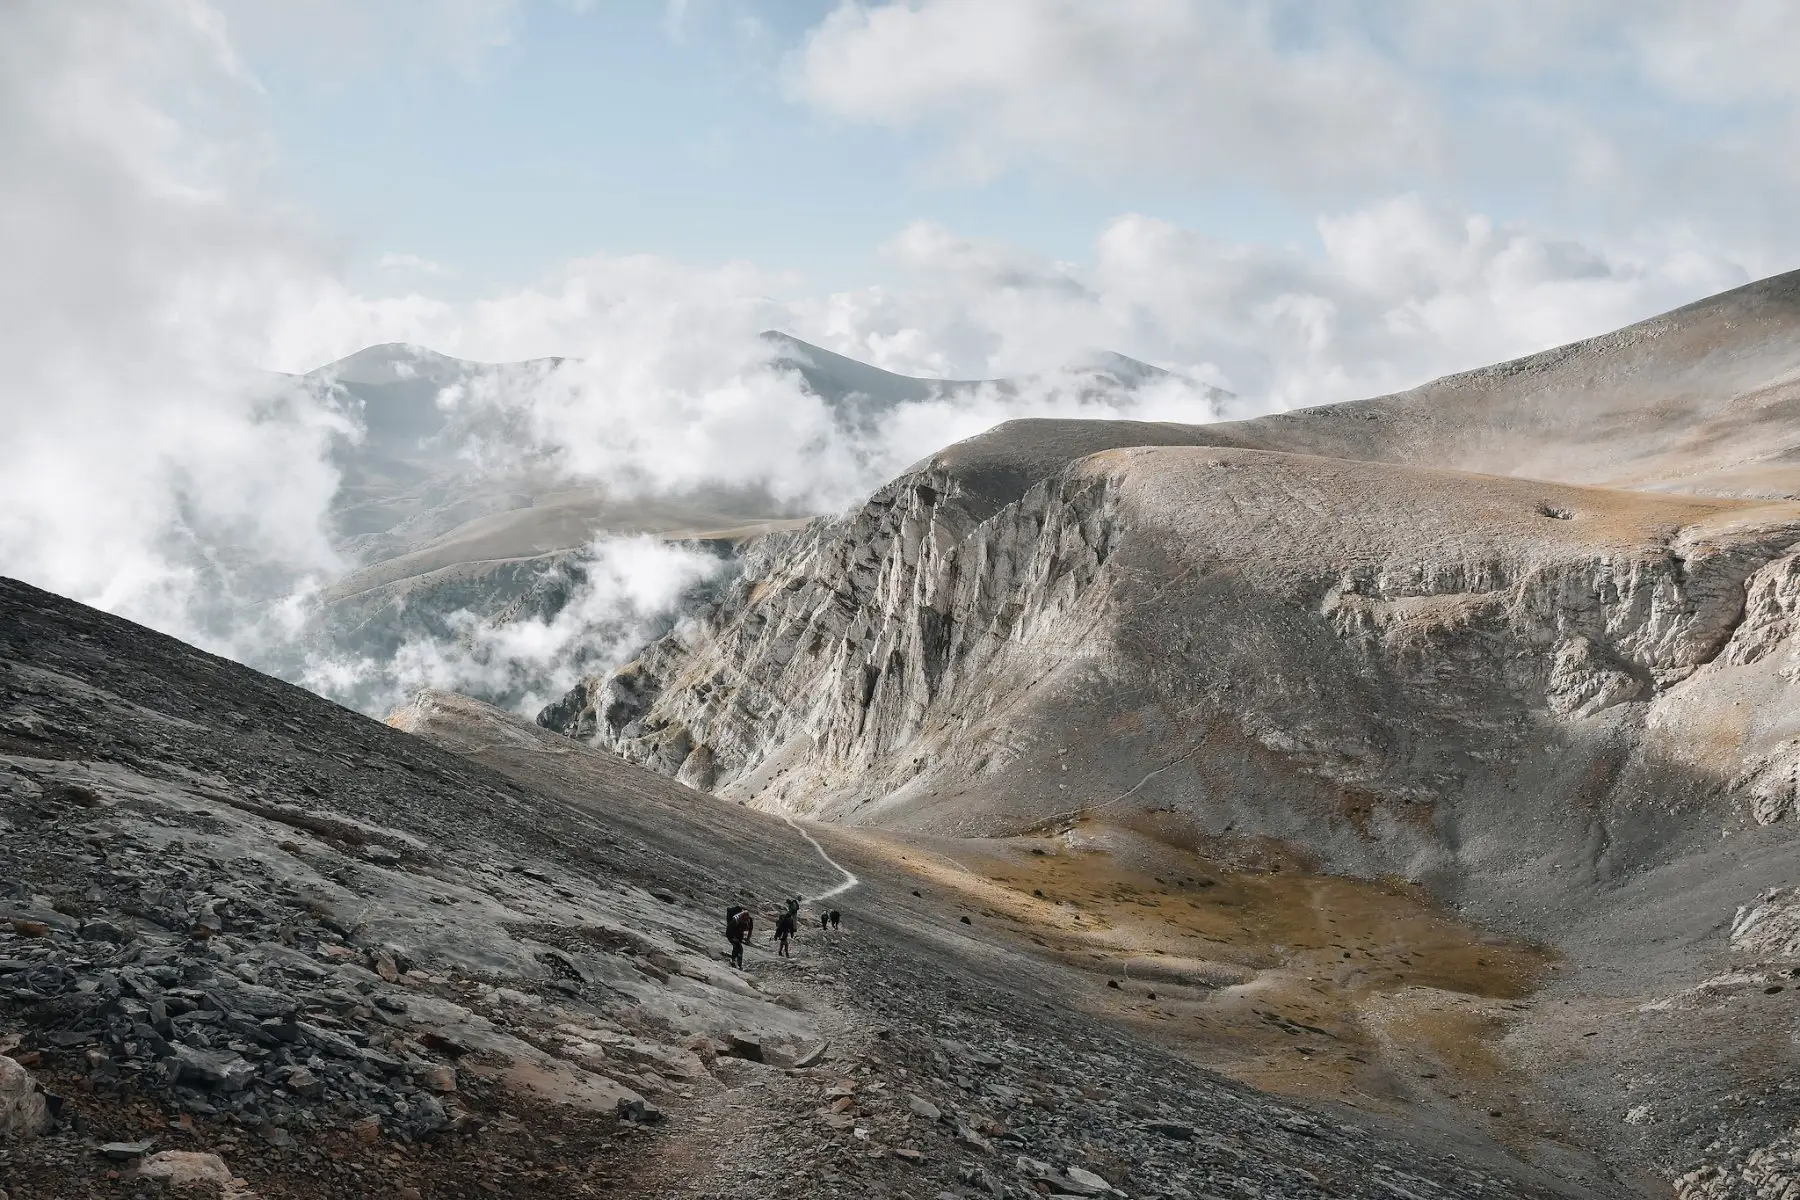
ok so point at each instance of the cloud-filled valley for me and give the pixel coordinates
(155, 465)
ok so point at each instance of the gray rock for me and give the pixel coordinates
(1078, 1181)
(222, 1071)
(24, 1113)
(302, 1081)
(331, 1043)
(427, 1116)
(640, 1112)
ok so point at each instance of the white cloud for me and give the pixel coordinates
(145, 466)
(412, 264)
(670, 390)
(1608, 112)
(666, 386)
(1191, 89)
(1400, 290)
(623, 593)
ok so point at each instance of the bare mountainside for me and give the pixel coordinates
(1522, 636)
(255, 943)
(450, 508)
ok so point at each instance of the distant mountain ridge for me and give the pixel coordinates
(434, 533)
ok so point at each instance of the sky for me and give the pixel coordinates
(1294, 201)
(1299, 203)
(634, 128)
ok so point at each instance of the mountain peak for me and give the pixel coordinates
(392, 362)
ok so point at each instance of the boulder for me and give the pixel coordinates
(23, 1110)
(187, 1169)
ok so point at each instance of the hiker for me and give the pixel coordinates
(824, 920)
(834, 918)
(738, 927)
(786, 926)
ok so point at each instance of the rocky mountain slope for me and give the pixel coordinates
(448, 510)
(255, 942)
(1523, 636)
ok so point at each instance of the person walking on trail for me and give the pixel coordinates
(786, 926)
(834, 918)
(738, 927)
(824, 920)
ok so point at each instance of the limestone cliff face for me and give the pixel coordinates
(852, 635)
(1386, 664)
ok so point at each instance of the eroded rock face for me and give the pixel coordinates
(1219, 630)
(1769, 927)
(851, 633)
(1771, 610)
(1770, 1172)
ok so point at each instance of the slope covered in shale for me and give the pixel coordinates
(259, 942)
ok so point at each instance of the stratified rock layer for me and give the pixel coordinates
(1373, 658)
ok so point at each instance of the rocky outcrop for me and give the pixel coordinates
(1209, 603)
(853, 634)
(1770, 1172)
(1769, 927)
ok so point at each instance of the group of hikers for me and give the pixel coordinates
(740, 924)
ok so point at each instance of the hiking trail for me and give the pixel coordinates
(850, 879)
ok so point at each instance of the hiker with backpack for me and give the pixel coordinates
(739, 924)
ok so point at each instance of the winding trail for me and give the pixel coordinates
(850, 879)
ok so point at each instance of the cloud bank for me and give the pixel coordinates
(616, 596)
(1643, 112)
(153, 466)
(145, 465)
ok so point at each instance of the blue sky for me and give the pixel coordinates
(615, 129)
(714, 130)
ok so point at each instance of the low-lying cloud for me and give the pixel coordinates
(151, 464)
(608, 601)
(145, 464)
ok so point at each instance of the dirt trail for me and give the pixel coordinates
(850, 880)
